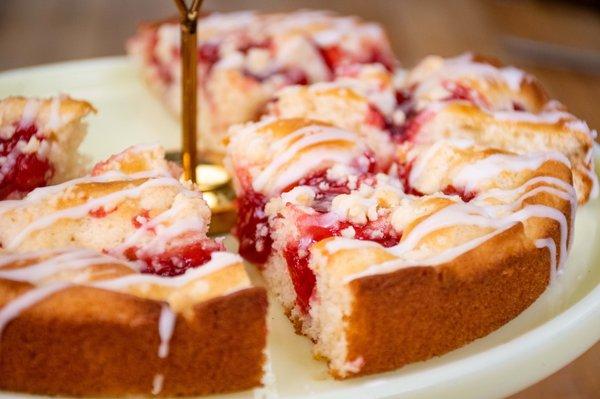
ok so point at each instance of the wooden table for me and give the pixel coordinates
(559, 43)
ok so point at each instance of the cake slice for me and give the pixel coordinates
(475, 98)
(481, 80)
(362, 98)
(110, 282)
(379, 277)
(38, 142)
(286, 153)
(243, 57)
(516, 131)
(466, 98)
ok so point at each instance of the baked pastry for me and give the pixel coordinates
(243, 57)
(110, 281)
(286, 153)
(500, 107)
(38, 142)
(465, 97)
(362, 98)
(481, 80)
(352, 257)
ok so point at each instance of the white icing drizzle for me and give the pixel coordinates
(513, 77)
(78, 259)
(545, 117)
(82, 210)
(157, 383)
(422, 161)
(6, 259)
(452, 253)
(166, 327)
(454, 69)
(13, 309)
(473, 174)
(594, 178)
(69, 260)
(377, 92)
(551, 245)
(218, 261)
(44, 192)
(161, 234)
(477, 213)
(274, 177)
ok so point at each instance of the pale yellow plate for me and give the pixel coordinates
(561, 325)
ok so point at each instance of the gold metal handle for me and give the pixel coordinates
(189, 85)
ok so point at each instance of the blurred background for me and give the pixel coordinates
(558, 41)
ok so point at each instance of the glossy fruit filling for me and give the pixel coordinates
(176, 260)
(314, 228)
(22, 172)
(101, 212)
(404, 170)
(208, 54)
(252, 228)
(465, 195)
(461, 92)
(406, 130)
(335, 57)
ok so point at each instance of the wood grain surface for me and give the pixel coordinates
(557, 41)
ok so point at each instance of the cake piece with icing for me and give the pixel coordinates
(38, 142)
(113, 274)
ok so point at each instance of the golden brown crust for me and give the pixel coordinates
(85, 341)
(561, 133)
(12, 107)
(530, 88)
(416, 313)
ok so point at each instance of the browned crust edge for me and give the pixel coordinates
(67, 104)
(84, 341)
(417, 313)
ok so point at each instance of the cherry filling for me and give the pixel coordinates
(461, 92)
(141, 219)
(100, 212)
(24, 172)
(303, 278)
(314, 228)
(379, 57)
(252, 227)
(466, 196)
(208, 54)
(517, 106)
(176, 260)
(404, 170)
(399, 132)
(334, 57)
